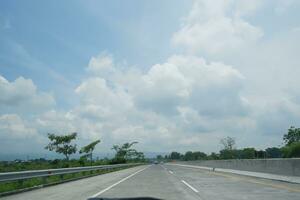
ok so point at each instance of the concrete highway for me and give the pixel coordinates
(166, 182)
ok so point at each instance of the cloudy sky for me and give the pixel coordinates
(172, 75)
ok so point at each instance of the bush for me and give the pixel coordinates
(292, 150)
(117, 161)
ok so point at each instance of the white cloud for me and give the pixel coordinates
(22, 95)
(102, 65)
(211, 28)
(13, 127)
(148, 106)
(185, 102)
(190, 81)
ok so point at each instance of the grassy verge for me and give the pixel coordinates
(9, 187)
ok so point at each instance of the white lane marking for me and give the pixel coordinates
(191, 187)
(122, 180)
(171, 172)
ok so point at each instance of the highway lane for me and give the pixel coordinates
(167, 182)
(75, 190)
(215, 185)
(175, 182)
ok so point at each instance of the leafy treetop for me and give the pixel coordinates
(62, 144)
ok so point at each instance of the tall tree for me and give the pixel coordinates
(188, 156)
(62, 144)
(292, 136)
(88, 150)
(124, 152)
(175, 155)
(228, 143)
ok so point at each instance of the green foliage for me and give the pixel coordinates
(227, 154)
(88, 150)
(175, 155)
(260, 154)
(28, 183)
(274, 152)
(213, 156)
(197, 155)
(247, 153)
(188, 155)
(292, 136)
(159, 157)
(292, 150)
(125, 153)
(62, 144)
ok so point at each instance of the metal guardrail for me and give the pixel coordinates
(21, 175)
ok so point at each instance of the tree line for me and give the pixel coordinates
(64, 144)
(290, 149)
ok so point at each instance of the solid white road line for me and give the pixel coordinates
(171, 172)
(122, 180)
(191, 187)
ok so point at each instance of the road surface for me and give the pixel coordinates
(166, 182)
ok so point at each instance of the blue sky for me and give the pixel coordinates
(59, 37)
(181, 74)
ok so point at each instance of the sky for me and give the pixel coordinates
(172, 75)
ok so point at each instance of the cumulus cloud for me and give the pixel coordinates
(12, 126)
(214, 27)
(101, 65)
(186, 102)
(22, 95)
(190, 81)
(161, 105)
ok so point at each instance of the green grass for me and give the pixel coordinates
(37, 165)
(35, 182)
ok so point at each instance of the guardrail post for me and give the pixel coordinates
(61, 177)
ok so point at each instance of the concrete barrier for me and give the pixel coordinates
(280, 166)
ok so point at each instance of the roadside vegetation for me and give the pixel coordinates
(289, 149)
(65, 145)
(51, 180)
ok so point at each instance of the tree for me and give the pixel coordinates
(124, 152)
(198, 155)
(292, 150)
(227, 154)
(260, 154)
(88, 150)
(213, 156)
(292, 136)
(159, 157)
(175, 155)
(188, 156)
(228, 143)
(273, 152)
(139, 156)
(62, 144)
(247, 153)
